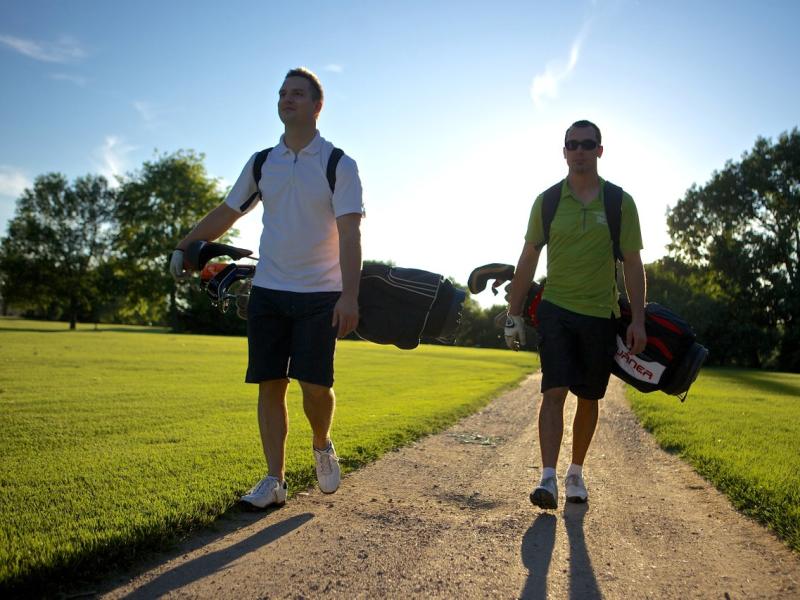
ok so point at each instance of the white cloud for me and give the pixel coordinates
(76, 79)
(111, 158)
(65, 49)
(334, 68)
(147, 111)
(545, 85)
(12, 181)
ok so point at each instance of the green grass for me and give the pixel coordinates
(740, 429)
(113, 441)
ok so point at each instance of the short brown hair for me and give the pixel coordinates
(316, 86)
(584, 123)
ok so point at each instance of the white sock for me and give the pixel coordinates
(548, 472)
(575, 470)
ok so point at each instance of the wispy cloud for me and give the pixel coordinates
(148, 111)
(334, 68)
(111, 158)
(64, 50)
(76, 79)
(546, 84)
(12, 181)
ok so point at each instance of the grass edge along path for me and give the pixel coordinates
(116, 442)
(740, 430)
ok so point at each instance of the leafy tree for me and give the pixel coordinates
(743, 228)
(157, 207)
(59, 235)
(712, 312)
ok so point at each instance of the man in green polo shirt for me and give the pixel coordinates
(577, 314)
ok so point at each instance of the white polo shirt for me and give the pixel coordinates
(299, 250)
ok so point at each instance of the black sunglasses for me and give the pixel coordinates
(585, 144)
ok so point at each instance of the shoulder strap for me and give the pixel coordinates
(612, 200)
(333, 161)
(550, 200)
(258, 163)
(261, 158)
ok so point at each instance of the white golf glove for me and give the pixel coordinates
(515, 332)
(176, 266)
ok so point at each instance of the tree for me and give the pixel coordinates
(157, 207)
(713, 314)
(743, 227)
(57, 238)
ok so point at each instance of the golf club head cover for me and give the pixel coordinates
(479, 277)
(199, 252)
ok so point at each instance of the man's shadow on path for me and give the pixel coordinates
(537, 553)
(205, 565)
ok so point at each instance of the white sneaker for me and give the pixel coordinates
(328, 473)
(546, 493)
(266, 492)
(576, 489)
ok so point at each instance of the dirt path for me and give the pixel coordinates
(449, 517)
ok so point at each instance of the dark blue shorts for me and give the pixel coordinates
(576, 351)
(289, 334)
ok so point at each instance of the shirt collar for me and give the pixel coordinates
(313, 147)
(566, 192)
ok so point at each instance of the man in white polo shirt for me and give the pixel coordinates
(305, 289)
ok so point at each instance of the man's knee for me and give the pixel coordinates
(273, 390)
(555, 396)
(313, 392)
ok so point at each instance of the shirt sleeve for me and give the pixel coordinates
(535, 232)
(630, 237)
(347, 195)
(244, 193)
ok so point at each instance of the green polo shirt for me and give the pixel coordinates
(580, 257)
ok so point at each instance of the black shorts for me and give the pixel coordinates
(289, 334)
(576, 351)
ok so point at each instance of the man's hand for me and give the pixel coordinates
(345, 315)
(177, 267)
(515, 331)
(636, 338)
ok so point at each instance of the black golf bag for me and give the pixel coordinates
(396, 305)
(672, 358)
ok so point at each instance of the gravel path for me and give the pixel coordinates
(449, 517)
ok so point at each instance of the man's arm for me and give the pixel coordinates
(345, 313)
(210, 227)
(523, 275)
(636, 338)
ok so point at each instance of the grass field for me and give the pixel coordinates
(113, 441)
(740, 429)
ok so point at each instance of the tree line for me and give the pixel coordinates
(89, 251)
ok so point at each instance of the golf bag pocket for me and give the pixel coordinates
(639, 370)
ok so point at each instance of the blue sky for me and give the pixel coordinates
(454, 111)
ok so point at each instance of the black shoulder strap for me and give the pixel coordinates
(261, 158)
(550, 200)
(612, 200)
(333, 161)
(258, 163)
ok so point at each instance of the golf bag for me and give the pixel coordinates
(671, 360)
(399, 306)
(396, 305)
